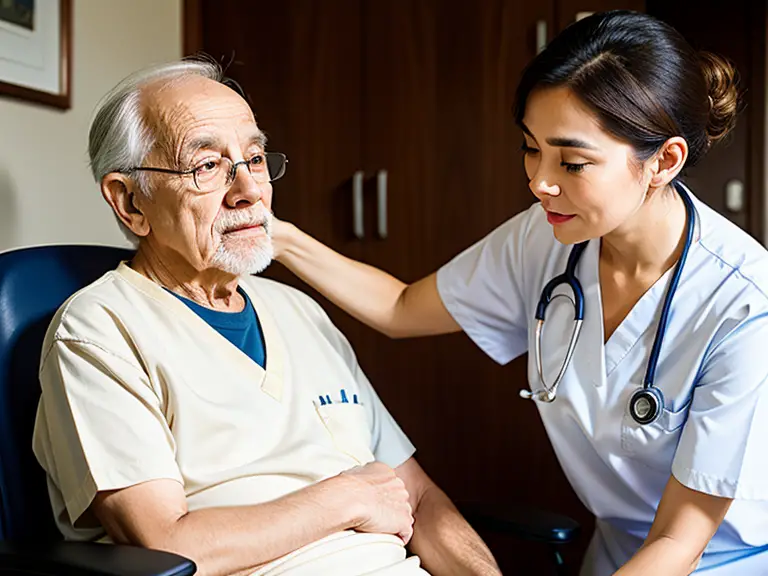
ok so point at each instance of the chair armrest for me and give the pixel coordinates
(91, 559)
(523, 522)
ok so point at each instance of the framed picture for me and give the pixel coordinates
(36, 50)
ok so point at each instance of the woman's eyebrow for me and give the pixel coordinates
(563, 142)
(570, 143)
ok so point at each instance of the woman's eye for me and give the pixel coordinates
(528, 149)
(257, 159)
(574, 168)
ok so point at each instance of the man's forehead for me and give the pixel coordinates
(199, 105)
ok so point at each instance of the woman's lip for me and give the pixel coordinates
(555, 218)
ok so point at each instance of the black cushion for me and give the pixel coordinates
(90, 559)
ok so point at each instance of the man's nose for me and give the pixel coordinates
(244, 187)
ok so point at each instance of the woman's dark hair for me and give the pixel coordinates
(642, 79)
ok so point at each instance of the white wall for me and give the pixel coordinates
(47, 194)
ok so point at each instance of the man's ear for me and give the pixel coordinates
(126, 200)
(668, 162)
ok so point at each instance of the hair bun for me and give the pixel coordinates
(722, 88)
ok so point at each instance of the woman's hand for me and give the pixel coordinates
(281, 232)
(374, 297)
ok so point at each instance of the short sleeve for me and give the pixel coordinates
(100, 425)
(482, 290)
(389, 443)
(722, 449)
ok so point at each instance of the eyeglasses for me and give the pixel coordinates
(219, 173)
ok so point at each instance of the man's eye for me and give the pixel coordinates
(257, 159)
(207, 166)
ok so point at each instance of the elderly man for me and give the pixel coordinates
(189, 407)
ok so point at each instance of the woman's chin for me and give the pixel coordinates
(569, 236)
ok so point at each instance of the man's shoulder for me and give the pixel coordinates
(279, 294)
(92, 309)
(292, 308)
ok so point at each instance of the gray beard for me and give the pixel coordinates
(237, 257)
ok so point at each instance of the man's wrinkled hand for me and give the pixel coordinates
(384, 500)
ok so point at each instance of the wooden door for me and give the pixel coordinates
(439, 81)
(423, 90)
(300, 64)
(738, 33)
(568, 11)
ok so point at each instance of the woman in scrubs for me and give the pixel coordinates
(611, 112)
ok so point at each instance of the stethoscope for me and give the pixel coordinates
(646, 403)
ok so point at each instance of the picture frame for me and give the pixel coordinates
(36, 51)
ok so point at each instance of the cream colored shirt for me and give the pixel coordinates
(137, 387)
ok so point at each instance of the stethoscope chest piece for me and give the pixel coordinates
(645, 405)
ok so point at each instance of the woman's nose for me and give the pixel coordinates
(541, 186)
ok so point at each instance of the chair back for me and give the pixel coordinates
(34, 283)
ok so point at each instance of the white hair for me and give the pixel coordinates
(119, 138)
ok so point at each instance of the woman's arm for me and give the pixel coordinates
(374, 297)
(685, 523)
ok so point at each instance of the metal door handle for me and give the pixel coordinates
(357, 204)
(734, 195)
(381, 199)
(541, 35)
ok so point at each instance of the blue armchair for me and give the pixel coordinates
(34, 283)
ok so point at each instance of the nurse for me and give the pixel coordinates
(660, 419)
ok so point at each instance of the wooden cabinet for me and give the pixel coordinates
(422, 91)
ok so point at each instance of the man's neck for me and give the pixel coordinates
(210, 288)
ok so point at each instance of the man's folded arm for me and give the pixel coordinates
(237, 540)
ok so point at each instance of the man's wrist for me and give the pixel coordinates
(343, 500)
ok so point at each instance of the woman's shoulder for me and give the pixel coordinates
(740, 257)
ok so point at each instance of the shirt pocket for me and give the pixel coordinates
(348, 427)
(654, 444)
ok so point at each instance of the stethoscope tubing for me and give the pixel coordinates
(548, 393)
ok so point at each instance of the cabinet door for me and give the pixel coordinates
(439, 82)
(737, 33)
(300, 63)
(568, 11)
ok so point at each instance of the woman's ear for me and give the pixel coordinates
(669, 161)
(125, 198)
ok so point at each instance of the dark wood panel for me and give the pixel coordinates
(423, 90)
(737, 33)
(299, 63)
(439, 87)
(567, 11)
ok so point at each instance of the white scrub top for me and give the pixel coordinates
(138, 387)
(713, 433)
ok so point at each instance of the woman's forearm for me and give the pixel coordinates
(662, 557)
(366, 293)
(372, 296)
